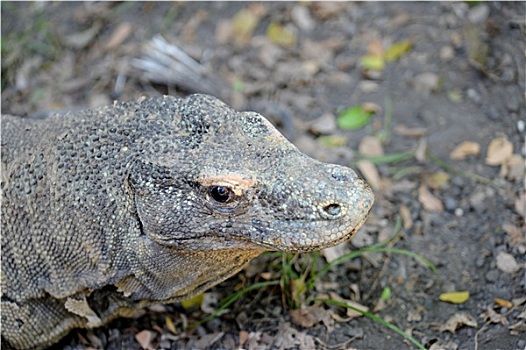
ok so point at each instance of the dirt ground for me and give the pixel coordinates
(436, 75)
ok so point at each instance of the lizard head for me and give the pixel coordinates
(232, 181)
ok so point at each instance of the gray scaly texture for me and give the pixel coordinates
(105, 211)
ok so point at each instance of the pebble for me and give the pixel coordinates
(492, 275)
(474, 95)
(447, 53)
(450, 203)
(368, 86)
(512, 101)
(507, 263)
(480, 261)
(426, 82)
(478, 14)
(521, 126)
(302, 18)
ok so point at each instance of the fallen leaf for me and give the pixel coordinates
(494, 317)
(421, 150)
(370, 146)
(517, 328)
(386, 293)
(458, 320)
(477, 46)
(243, 25)
(407, 221)
(513, 168)
(403, 130)
(243, 337)
(145, 339)
(437, 180)
(507, 263)
(429, 201)
(464, 150)
(503, 303)
(308, 316)
(333, 140)
(397, 50)
(516, 234)
(350, 312)
(499, 150)
(454, 95)
(194, 302)
(372, 62)
(369, 172)
(455, 297)
(280, 35)
(170, 325)
(353, 118)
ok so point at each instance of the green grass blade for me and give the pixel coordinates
(377, 319)
(226, 302)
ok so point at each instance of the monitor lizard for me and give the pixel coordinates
(111, 209)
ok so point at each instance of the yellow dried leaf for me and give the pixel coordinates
(429, 201)
(243, 25)
(503, 303)
(454, 297)
(194, 302)
(397, 50)
(372, 62)
(464, 150)
(437, 180)
(170, 325)
(499, 150)
(280, 35)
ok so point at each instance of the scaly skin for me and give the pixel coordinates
(111, 209)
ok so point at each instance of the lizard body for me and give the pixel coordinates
(108, 210)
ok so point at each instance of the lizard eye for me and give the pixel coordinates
(221, 194)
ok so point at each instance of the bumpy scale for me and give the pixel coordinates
(108, 210)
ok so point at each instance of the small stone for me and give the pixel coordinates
(507, 263)
(324, 125)
(426, 82)
(368, 86)
(301, 16)
(492, 275)
(447, 53)
(478, 14)
(450, 203)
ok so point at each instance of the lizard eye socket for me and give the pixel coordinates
(221, 194)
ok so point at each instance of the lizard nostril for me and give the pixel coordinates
(332, 209)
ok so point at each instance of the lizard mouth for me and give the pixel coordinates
(302, 236)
